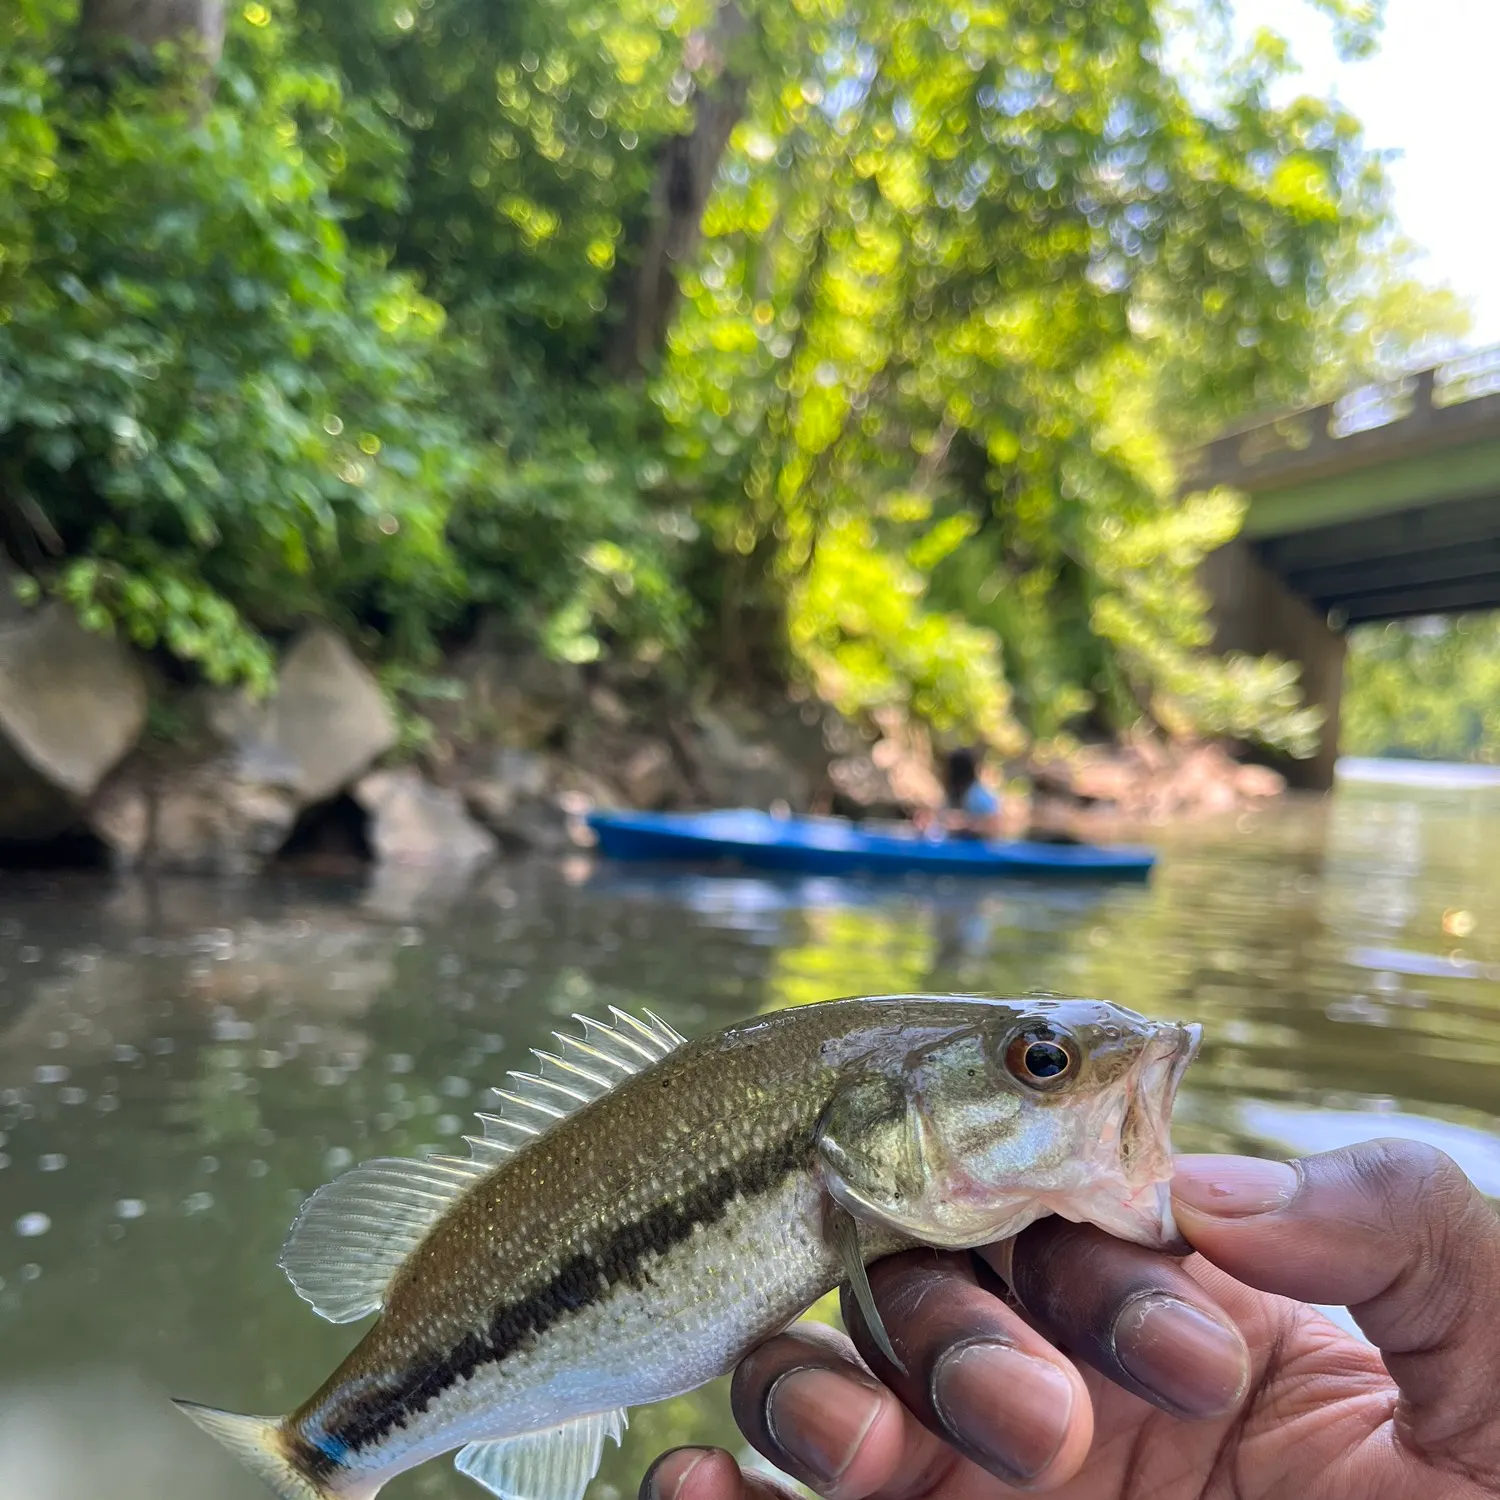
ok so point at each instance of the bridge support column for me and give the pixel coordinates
(1254, 612)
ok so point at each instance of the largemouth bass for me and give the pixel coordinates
(644, 1210)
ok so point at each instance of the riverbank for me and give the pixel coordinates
(104, 760)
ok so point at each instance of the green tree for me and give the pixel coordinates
(981, 252)
(846, 337)
(1428, 689)
(216, 414)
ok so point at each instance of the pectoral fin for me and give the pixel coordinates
(843, 1232)
(554, 1464)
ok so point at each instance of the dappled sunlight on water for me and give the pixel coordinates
(180, 1063)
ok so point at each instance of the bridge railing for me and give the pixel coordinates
(1447, 404)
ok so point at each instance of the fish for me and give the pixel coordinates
(643, 1210)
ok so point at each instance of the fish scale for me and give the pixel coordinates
(645, 1210)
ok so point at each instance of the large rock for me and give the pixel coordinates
(72, 702)
(325, 725)
(413, 822)
(886, 777)
(735, 766)
(217, 823)
(639, 766)
(513, 695)
(516, 800)
(120, 817)
(649, 776)
(208, 818)
(1146, 779)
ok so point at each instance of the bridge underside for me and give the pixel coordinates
(1382, 505)
(1431, 559)
(1255, 612)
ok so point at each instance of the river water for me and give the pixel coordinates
(181, 1062)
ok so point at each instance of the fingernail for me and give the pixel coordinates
(1008, 1410)
(1233, 1187)
(818, 1418)
(665, 1478)
(1191, 1363)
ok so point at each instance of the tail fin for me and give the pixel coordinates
(256, 1442)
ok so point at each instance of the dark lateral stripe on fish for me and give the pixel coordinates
(316, 1461)
(578, 1282)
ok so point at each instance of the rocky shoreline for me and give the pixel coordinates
(95, 747)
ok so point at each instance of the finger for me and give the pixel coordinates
(806, 1402)
(706, 1474)
(1394, 1231)
(975, 1373)
(1134, 1314)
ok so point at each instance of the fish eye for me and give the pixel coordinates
(1041, 1057)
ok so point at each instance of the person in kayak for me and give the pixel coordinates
(971, 810)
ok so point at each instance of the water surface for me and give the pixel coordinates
(180, 1062)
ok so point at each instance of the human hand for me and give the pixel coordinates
(1183, 1380)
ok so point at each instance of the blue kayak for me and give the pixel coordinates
(831, 846)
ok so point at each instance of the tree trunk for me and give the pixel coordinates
(128, 25)
(684, 179)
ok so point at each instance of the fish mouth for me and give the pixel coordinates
(1144, 1215)
(1148, 1114)
(1189, 1041)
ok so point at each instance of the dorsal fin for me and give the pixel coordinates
(580, 1071)
(351, 1236)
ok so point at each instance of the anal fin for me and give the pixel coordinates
(556, 1463)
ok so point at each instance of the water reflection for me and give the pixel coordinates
(1299, 1130)
(179, 1063)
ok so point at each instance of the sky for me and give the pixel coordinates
(1430, 93)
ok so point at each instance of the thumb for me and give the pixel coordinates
(1396, 1233)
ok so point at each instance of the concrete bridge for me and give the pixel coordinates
(1379, 506)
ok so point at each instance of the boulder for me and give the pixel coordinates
(520, 773)
(325, 725)
(413, 822)
(608, 707)
(889, 777)
(517, 822)
(1158, 780)
(649, 777)
(72, 703)
(734, 767)
(1259, 782)
(198, 819)
(120, 816)
(640, 767)
(515, 799)
(219, 823)
(512, 695)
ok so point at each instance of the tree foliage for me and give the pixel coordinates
(845, 337)
(216, 411)
(1428, 689)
